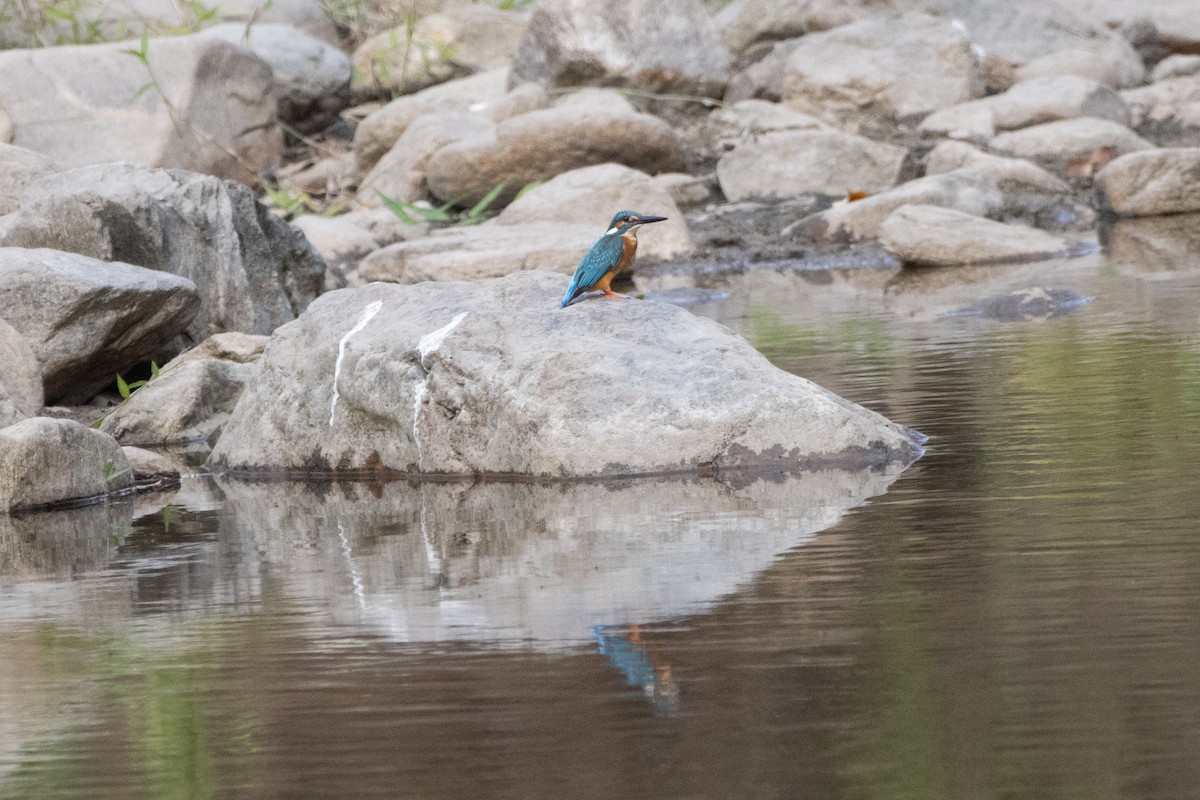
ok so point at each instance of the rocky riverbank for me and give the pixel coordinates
(179, 191)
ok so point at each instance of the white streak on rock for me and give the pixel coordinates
(363, 319)
(428, 344)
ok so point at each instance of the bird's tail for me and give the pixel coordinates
(572, 291)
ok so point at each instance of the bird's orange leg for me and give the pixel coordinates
(605, 285)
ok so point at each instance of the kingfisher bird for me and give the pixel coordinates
(610, 255)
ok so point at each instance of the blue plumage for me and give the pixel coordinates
(611, 253)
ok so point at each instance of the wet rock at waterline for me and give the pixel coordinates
(1068, 139)
(494, 378)
(47, 461)
(20, 379)
(89, 104)
(1164, 181)
(254, 271)
(191, 397)
(87, 320)
(935, 236)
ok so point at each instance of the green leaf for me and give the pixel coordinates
(477, 210)
(123, 388)
(397, 208)
(154, 369)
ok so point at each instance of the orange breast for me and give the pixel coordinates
(628, 249)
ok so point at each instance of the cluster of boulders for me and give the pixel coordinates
(941, 132)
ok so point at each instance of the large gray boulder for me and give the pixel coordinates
(935, 236)
(21, 379)
(209, 109)
(542, 144)
(46, 462)
(663, 46)
(1172, 101)
(1164, 181)
(254, 271)
(494, 378)
(890, 66)
(191, 397)
(789, 163)
(87, 320)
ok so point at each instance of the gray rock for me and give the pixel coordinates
(400, 173)
(1029, 103)
(483, 251)
(1154, 244)
(542, 144)
(935, 236)
(746, 121)
(662, 46)
(591, 195)
(19, 168)
(191, 397)
(1174, 101)
(762, 79)
(962, 189)
(456, 41)
(888, 66)
(1114, 64)
(87, 320)
(45, 462)
(493, 378)
(1164, 181)
(379, 131)
(744, 22)
(592, 99)
(687, 190)
(148, 465)
(255, 272)
(1068, 139)
(790, 163)
(210, 110)
(1176, 66)
(20, 380)
(311, 79)
(342, 244)
(1009, 173)
(1016, 32)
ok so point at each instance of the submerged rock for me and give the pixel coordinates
(494, 378)
(47, 461)
(1026, 305)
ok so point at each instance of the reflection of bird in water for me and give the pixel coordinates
(643, 667)
(611, 255)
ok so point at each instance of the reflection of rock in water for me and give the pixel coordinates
(1153, 244)
(43, 555)
(523, 561)
(1025, 305)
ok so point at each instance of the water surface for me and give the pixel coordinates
(1016, 615)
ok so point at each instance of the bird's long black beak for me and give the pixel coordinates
(644, 220)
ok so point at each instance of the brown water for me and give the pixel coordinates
(1016, 615)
